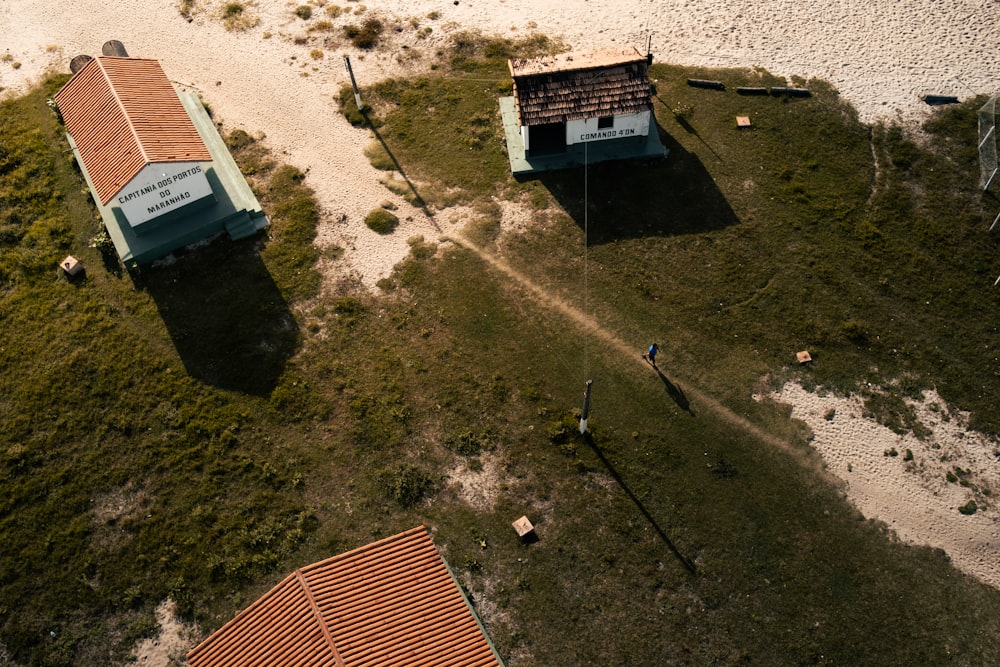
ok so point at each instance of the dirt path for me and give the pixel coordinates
(915, 491)
(701, 402)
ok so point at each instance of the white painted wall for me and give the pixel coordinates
(624, 126)
(161, 188)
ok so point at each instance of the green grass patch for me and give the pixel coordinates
(161, 491)
(199, 430)
(379, 156)
(382, 221)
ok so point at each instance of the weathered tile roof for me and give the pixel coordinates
(393, 602)
(124, 114)
(571, 86)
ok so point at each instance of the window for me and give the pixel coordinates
(605, 122)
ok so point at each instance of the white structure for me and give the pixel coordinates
(136, 141)
(159, 172)
(575, 98)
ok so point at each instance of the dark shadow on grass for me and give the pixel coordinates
(688, 127)
(637, 199)
(417, 199)
(684, 560)
(111, 263)
(675, 393)
(229, 322)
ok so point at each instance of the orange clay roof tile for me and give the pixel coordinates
(393, 602)
(123, 114)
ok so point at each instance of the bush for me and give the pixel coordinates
(381, 221)
(469, 442)
(366, 36)
(349, 309)
(321, 26)
(969, 508)
(855, 331)
(236, 18)
(406, 484)
(304, 12)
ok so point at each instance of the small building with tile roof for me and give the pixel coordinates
(158, 171)
(569, 106)
(392, 602)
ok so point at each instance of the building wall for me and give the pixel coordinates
(160, 189)
(622, 127)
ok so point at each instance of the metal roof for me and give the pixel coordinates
(123, 114)
(393, 602)
(572, 86)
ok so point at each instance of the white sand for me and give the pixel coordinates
(172, 643)
(882, 56)
(913, 498)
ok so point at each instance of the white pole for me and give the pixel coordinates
(988, 135)
(354, 84)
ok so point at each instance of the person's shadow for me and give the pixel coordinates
(674, 392)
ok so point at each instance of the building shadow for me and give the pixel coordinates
(684, 560)
(638, 199)
(227, 318)
(688, 127)
(675, 393)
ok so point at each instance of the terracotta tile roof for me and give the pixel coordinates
(124, 114)
(572, 86)
(391, 603)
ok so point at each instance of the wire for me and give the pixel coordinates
(586, 250)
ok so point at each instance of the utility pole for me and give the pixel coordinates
(586, 408)
(354, 84)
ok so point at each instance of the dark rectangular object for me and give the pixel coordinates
(705, 83)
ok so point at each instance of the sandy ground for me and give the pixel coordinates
(904, 481)
(172, 644)
(280, 80)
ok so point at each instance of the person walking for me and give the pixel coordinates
(651, 354)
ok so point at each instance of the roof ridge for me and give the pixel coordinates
(304, 583)
(121, 106)
(355, 553)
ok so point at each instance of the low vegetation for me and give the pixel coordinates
(382, 221)
(198, 430)
(366, 35)
(237, 18)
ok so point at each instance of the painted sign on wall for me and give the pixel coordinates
(161, 188)
(620, 127)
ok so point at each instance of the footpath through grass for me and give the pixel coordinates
(808, 231)
(199, 430)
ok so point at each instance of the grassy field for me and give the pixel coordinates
(198, 430)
